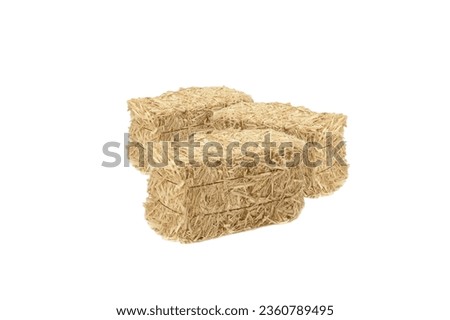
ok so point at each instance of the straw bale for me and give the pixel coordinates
(302, 123)
(179, 111)
(196, 202)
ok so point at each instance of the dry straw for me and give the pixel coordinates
(324, 131)
(181, 112)
(199, 202)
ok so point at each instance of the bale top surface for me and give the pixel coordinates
(187, 99)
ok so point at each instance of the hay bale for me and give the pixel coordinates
(198, 202)
(299, 122)
(178, 112)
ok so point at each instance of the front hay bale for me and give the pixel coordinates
(215, 196)
(323, 131)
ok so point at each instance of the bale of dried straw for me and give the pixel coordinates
(174, 113)
(197, 201)
(180, 111)
(324, 131)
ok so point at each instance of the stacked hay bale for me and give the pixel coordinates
(192, 200)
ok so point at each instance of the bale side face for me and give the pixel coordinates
(196, 213)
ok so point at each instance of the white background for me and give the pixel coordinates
(74, 241)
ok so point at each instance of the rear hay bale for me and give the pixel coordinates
(199, 202)
(320, 129)
(179, 113)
